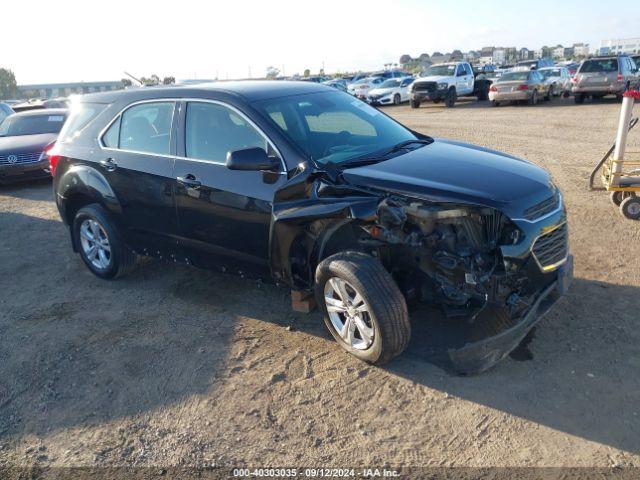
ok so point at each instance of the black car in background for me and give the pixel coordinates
(325, 194)
(24, 137)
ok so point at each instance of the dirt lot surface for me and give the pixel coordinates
(178, 366)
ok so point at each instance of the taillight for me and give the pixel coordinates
(523, 87)
(493, 88)
(619, 77)
(574, 79)
(52, 153)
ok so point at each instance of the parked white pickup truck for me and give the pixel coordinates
(448, 81)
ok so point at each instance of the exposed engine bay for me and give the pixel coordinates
(450, 256)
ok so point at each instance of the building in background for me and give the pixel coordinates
(620, 45)
(54, 90)
(580, 50)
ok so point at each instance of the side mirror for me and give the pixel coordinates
(251, 159)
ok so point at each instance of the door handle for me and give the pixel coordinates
(189, 180)
(109, 164)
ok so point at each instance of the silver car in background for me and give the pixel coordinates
(559, 80)
(519, 85)
(361, 87)
(605, 75)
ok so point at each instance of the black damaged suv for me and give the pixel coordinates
(324, 194)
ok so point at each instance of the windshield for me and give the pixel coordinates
(333, 127)
(390, 84)
(514, 77)
(16, 125)
(605, 65)
(440, 71)
(362, 80)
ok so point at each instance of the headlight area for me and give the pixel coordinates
(450, 256)
(443, 86)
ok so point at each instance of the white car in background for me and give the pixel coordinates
(391, 91)
(558, 78)
(361, 87)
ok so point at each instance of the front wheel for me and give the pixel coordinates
(415, 103)
(363, 307)
(450, 99)
(630, 208)
(396, 99)
(99, 244)
(534, 98)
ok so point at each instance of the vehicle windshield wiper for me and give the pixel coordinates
(384, 155)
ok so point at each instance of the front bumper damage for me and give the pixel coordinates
(317, 215)
(481, 355)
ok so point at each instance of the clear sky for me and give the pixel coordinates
(69, 40)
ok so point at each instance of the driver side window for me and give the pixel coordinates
(213, 130)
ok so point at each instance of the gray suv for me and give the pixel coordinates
(604, 75)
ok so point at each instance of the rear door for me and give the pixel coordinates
(137, 162)
(224, 215)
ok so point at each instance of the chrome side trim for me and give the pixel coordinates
(193, 100)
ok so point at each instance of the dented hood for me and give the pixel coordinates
(457, 172)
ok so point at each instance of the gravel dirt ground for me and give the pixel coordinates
(176, 366)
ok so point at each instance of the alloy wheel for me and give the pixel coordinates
(95, 244)
(349, 313)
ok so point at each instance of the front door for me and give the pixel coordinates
(137, 162)
(224, 215)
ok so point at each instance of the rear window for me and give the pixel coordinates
(79, 117)
(17, 125)
(603, 65)
(515, 76)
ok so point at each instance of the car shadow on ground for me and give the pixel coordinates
(577, 373)
(77, 350)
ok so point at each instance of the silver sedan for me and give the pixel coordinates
(519, 85)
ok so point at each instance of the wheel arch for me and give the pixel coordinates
(82, 185)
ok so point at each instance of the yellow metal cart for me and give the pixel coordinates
(620, 168)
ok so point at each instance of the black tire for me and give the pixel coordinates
(415, 103)
(450, 99)
(630, 208)
(388, 316)
(495, 103)
(617, 197)
(533, 100)
(121, 260)
(578, 98)
(547, 97)
(436, 100)
(483, 93)
(396, 99)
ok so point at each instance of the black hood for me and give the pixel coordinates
(26, 143)
(450, 171)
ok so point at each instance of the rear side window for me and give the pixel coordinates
(604, 65)
(142, 128)
(79, 117)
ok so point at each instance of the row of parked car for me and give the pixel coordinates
(528, 81)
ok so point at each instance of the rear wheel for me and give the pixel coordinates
(99, 243)
(578, 98)
(617, 197)
(363, 307)
(450, 99)
(483, 93)
(396, 99)
(415, 103)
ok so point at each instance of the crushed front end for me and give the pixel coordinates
(496, 274)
